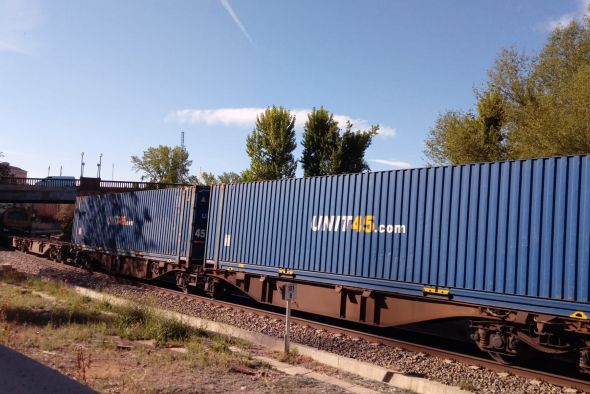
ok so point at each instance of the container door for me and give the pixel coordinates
(200, 225)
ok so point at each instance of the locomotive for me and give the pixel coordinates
(504, 245)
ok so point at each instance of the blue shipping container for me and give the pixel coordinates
(501, 233)
(165, 224)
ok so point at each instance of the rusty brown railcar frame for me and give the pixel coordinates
(496, 330)
(136, 266)
(388, 310)
(54, 249)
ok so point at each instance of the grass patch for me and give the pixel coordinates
(292, 357)
(93, 340)
(52, 305)
(104, 305)
(221, 344)
(139, 322)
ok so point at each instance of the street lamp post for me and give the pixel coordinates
(82, 166)
(99, 165)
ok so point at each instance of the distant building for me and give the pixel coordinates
(15, 171)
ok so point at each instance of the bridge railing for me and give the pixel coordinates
(84, 183)
(39, 182)
(136, 185)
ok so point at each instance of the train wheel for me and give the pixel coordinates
(83, 261)
(584, 361)
(182, 282)
(23, 247)
(53, 254)
(155, 270)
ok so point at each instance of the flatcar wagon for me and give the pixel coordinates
(505, 245)
(152, 234)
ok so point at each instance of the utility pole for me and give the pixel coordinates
(48, 170)
(82, 166)
(60, 170)
(182, 140)
(99, 165)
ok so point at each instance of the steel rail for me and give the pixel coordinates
(495, 366)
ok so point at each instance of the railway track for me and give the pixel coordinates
(552, 378)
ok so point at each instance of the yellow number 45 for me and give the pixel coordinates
(367, 227)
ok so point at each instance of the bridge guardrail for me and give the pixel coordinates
(39, 182)
(84, 183)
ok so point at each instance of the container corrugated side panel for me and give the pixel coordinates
(517, 227)
(146, 222)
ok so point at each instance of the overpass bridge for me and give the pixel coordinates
(65, 191)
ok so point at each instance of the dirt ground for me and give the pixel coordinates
(162, 370)
(125, 350)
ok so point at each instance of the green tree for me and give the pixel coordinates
(352, 146)
(531, 106)
(203, 178)
(556, 120)
(271, 145)
(321, 140)
(163, 164)
(459, 138)
(230, 177)
(208, 178)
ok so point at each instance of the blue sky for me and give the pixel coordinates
(116, 77)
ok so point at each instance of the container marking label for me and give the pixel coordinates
(120, 220)
(360, 224)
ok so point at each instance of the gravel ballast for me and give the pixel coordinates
(445, 371)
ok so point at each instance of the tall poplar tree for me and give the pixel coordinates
(321, 140)
(329, 151)
(270, 146)
(352, 146)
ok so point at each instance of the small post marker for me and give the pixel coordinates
(289, 294)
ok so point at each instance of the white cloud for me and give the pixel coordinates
(247, 116)
(565, 19)
(393, 163)
(234, 16)
(18, 19)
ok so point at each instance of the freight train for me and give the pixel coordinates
(503, 245)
